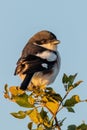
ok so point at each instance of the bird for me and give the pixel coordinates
(39, 63)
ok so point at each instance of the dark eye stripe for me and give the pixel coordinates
(41, 42)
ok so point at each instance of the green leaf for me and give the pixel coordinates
(6, 93)
(49, 89)
(83, 126)
(72, 101)
(61, 122)
(30, 125)
(65, 79)
(6, 88)
(72, 127)
(57, 97)
(70, 109)
(68, 82)
(40, 128)
(77, 83)
(47, 123)
(72, 78)
(70, 86)
(22, 100)
(43, 114)
(19, 115)
(49, 92)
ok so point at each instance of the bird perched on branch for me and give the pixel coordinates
(39, 63)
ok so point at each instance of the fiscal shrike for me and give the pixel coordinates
(39, 63)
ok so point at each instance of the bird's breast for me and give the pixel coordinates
(44, 79)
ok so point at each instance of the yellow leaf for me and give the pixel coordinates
(44, 99)
(6, 95)
(43, 87)
(47, 124)
(77, 98)
(51, 104)
(31, 100)
(35, 116)
(70, 87)
(15, 90)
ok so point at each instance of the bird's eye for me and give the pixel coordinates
(43, 41)
(23, 65)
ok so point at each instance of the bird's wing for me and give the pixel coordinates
(34, 59)
(32, 64)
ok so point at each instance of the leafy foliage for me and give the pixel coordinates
(83, 126)
(68, 82)
(40, 102)
(19, 114)
(72, 101)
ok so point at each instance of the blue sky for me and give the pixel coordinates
(19, 20)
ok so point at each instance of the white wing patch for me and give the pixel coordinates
(44, 65)
(50, 56)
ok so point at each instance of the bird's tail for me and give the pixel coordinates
(26, 81)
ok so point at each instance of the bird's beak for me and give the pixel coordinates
(55, 42)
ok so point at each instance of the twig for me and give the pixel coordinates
(57, 124)
(65, 96)
(55, 118)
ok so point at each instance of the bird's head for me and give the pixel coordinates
(45, 39)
